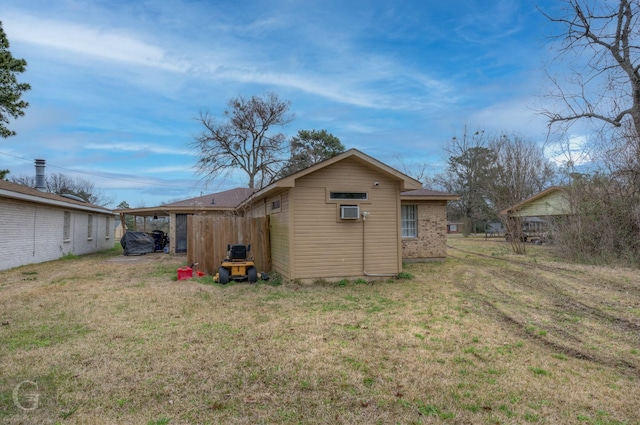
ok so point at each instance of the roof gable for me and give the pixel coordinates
(551, 201)
(407, 183)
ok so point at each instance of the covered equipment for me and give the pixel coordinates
(137, 243)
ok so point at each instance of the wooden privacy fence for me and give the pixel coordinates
(208, 236)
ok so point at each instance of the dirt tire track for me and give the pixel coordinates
(564, 299)
(568, 273)
(492, 308)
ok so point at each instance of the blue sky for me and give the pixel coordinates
(117, 85)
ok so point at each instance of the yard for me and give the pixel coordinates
(486, 337)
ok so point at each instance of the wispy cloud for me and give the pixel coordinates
(136, 147)
(103, 43)
(116, 84)
(358, 79)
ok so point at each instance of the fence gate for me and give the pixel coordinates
(207, 239)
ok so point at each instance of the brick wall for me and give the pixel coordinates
(33, 233)
(431, 242)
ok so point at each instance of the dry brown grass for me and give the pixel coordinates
(485, 337)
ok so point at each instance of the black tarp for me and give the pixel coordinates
(137, 243)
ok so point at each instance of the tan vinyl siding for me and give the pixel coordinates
(258, 209)
(326, 246)
(279, 231)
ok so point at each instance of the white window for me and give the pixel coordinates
(66, 230)
(409, 221)
(107, 228)
(90, 227)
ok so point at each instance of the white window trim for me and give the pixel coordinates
(90, 227)
(66, 227)
(409, 224)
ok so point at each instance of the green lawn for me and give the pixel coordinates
(485, 337)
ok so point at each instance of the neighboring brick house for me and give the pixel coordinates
(37, 226)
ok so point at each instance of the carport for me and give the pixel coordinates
(172, 218)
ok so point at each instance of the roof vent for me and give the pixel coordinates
(74, 197)
(40, 181)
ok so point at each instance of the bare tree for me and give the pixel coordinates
(607, 86)
(62, 184)
(603, 39)
(242, 141)
(522, 171)
(470, 166)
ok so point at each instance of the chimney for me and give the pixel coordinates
(40, 185)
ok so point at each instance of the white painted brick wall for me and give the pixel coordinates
(33, 233)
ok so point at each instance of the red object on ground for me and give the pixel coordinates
(200, 274)
(185, 273)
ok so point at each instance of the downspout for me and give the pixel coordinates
(364, 271)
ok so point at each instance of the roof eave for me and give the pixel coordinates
(408, 183)
(53, 202)
(429, 198)
(519, 205)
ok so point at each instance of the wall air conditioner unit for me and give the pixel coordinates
(349, 212)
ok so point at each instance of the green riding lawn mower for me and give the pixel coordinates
(238, 267)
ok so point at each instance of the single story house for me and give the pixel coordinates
(454, 226)
(553, 201)
(350, 216)
(537, 212)
(38, 226)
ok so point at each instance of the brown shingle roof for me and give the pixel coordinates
(18, 191)
(227, 199)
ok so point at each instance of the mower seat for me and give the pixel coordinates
(238, 252)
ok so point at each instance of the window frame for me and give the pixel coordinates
(66, 226)
(409, 221)
(276, 205)
(89, 227)
(333, 196)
